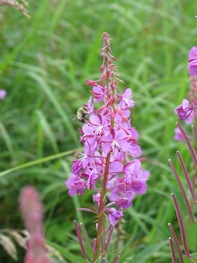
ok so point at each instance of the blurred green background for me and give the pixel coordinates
(44, 63)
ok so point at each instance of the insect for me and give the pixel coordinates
(82, 114)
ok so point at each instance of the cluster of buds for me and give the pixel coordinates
(110, 165)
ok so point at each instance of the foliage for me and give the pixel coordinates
(44, 64)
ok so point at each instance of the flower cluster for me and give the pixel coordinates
(109, 164)
(186, 110)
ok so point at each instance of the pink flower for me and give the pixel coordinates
(126, 101)
(96, 198)
(98, 92)
(75, 185)
(116, 141)
(185, 111)
(101, 125)
(110, 145)
(92, 176)
(3, 94)
(114, 216)
(192, 67)
(178, 135)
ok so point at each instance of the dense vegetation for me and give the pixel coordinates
(45, 61)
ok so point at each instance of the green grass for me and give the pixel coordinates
(44, 64)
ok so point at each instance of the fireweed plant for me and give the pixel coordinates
(186, 112)
(110, 166)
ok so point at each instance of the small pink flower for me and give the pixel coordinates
(178, 135)
(96, 198)
(98, 93)
(75, 185)
(185, 111)
(192, 67)
(3, 94)
(114, 216)
(126, 101)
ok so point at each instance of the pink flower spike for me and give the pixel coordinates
(109, 165)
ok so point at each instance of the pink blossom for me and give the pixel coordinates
(98, 92)
(185, 111)
(3, 94)
(101, 125)
(116, 141)
(75, 185)
(110, 145)
(178, 135)
(92, 176)
(114, 216)
(124, 202)
(192, 66)
(96, 198)
(126, 101)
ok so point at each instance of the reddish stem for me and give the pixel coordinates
(100, 244)
(172, 250)
(176, 243)
(181, 226)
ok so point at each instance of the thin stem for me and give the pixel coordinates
(116, 259)
(109, 238)
(80, 239)
(101, 216)
(176, 243)
(86, 235)
(172, 250)
(181, 226)
(190, 186)
(193, 154)
(194, 132)
(182, 189)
